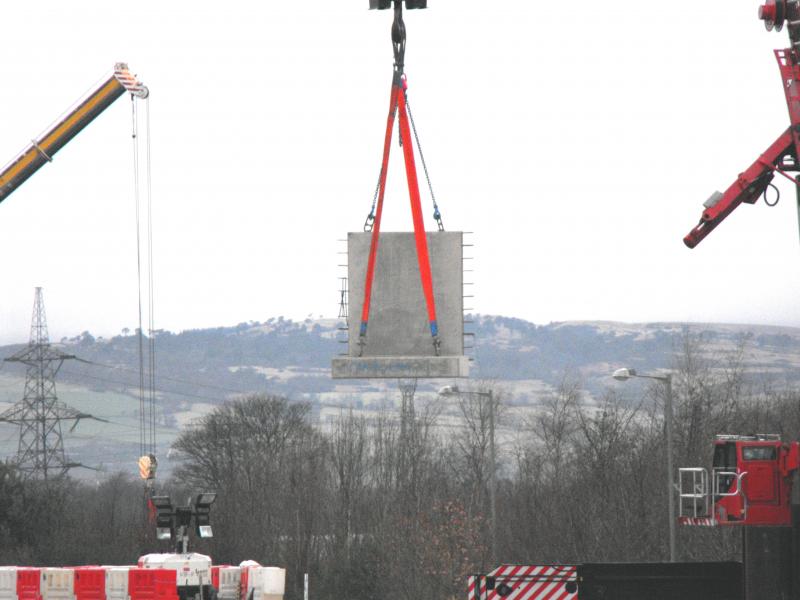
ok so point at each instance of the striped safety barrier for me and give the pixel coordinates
(525, 582)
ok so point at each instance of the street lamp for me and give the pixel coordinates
(451, 391)
(624, 375)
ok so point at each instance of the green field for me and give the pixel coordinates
(109, 447)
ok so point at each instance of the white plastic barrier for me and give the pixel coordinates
(57, 584)
(117, 583)
(229, 582)
(245, 589)
(266, 583)
(8, 583)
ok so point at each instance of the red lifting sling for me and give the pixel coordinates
(397, 104)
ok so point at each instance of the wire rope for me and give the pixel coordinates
(437, 215)
(136, 197)
(150, 310)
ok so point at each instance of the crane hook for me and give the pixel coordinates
(399, 37)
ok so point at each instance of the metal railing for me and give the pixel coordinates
(696, 496)
(729, 477)
(695, 502)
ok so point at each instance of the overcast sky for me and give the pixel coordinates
(576, 140)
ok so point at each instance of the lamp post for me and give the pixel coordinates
(624, 375)
(452, 390)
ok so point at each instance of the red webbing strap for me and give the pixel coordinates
(376, 228)
(420, 236)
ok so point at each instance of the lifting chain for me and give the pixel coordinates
(436, 214)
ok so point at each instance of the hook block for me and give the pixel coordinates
(385, 4)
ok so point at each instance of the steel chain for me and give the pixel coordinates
(436, 214)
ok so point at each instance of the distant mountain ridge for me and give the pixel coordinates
(291, 357)
(198, 369)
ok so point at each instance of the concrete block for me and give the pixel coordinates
(398, 322)
(398, 326)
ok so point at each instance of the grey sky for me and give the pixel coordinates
(576, 140)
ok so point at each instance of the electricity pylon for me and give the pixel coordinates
(40, 452)
(408, 388)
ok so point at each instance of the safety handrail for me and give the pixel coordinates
(719, 474)
(698, 491)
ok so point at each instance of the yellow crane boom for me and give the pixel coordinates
(42, 149)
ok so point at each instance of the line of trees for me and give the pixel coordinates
(375, 508)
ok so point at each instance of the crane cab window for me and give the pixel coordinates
(725, 456)
(759, 453)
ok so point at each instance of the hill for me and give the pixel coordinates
(198, 369)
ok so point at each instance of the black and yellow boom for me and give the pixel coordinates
(42, 149)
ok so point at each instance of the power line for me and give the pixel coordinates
(131, 384)
(127, 383)
(173, 379)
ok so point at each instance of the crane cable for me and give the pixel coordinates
(150, 311)
(135, 136)
(437, 216)
(147, 412)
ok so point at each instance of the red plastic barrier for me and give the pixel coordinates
(90, 583)
(166, 584)
(29, 584)
(215, 574)
(152, 584)
(245, 577)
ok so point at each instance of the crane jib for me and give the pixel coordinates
(42, 149)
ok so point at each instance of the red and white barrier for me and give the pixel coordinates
(152, 584)
(157, 577)
(262, 583)
(8, 583)
(227, 581)
(57, 584)
(28, 583)
(116, 584)
(90, 583)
